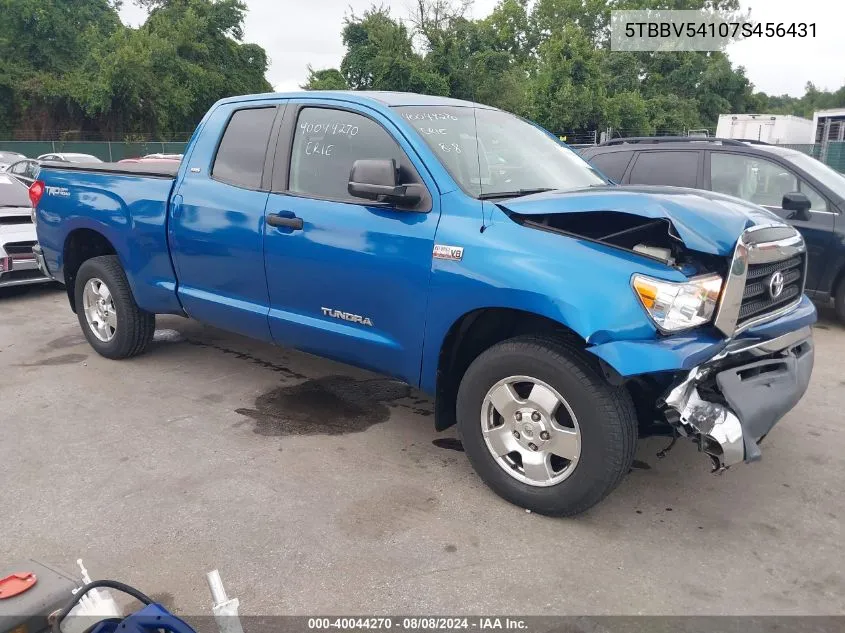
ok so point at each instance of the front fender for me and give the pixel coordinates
(582, 285)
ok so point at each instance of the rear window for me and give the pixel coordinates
(240, 157)
(12, 193)
(675, 169)
(612, 164)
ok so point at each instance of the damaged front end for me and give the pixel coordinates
(733, 349)
(730, 403)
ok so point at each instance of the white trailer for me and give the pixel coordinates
(777, 129)
(828, 125)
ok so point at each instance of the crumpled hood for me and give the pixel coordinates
(707, 222)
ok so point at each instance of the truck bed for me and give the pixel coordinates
(128, 205)
(159, 170)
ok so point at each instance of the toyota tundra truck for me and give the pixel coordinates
(554, 316)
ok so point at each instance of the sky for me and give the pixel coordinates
(296, 33)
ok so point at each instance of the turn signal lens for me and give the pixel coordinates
(36, 190)
(678, 306)
(646, 290)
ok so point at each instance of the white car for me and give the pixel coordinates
(18, 266)
(69, 157)
(7, 158)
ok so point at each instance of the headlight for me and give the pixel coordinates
(679, 306)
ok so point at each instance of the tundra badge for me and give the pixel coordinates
(443, 251)
(347, 316)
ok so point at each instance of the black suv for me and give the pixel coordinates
(805, 192)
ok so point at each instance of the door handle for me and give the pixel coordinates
(287, 222)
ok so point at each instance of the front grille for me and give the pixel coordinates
(19, 248)
(757, 299)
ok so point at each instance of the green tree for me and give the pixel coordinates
(42, 43)
(326, 79)
(569, 91)
(72, 65)
(380, 56)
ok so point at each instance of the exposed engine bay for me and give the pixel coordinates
(731, 401)
(649, 237)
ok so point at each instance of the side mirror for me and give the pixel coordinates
(799, 203)
(379, 180)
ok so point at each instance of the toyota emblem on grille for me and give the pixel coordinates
(776, 285)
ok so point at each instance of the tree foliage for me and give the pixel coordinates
(72, 65)
(549, 60)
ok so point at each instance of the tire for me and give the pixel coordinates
(131, 328)
(604, 418)
(839, 301)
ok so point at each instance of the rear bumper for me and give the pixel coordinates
(22, 269)
(731, 402)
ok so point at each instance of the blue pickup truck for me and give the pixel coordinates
(554, 316)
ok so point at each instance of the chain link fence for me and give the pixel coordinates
(108, 151)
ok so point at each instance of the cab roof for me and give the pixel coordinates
(385, 98)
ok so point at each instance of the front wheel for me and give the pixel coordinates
(542, 428)
(111, 320)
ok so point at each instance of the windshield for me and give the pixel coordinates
(828, 176)
(507, 156)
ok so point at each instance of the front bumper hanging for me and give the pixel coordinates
(729, 403)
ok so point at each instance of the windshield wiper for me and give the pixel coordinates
(513, 194)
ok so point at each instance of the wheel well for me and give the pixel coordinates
(475, 332)
(81, 245)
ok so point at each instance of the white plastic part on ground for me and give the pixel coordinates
(225, 609)
(96, 605)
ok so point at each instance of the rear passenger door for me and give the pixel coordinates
(216, 227)
(677, 168)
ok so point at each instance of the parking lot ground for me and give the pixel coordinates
(319, 489)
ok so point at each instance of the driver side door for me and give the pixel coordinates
(347, 278)
(765, 182)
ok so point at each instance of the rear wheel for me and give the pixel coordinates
(542, 428)
(110, 319)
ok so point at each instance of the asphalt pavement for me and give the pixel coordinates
(319, 489)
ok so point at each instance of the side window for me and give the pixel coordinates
(240, 157)
(18, 168)
(817, 203)
(676, 169)
(612, 164)
(751, 178)
(326, 144)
